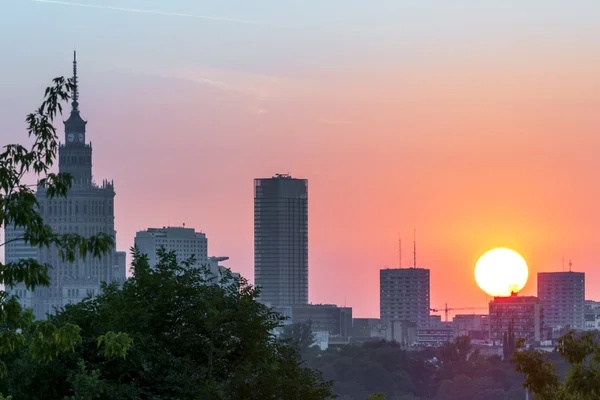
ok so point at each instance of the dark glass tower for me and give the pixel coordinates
(281, 240)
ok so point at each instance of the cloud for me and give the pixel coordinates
(146, 11)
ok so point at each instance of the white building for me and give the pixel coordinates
(185, 242)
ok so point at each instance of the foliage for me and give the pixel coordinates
(191, 339)
(376, 396)
(454, 371)
(508, 342)
(299, 335)
(582, 381)
(19, 207)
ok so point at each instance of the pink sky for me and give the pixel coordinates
(477, 141)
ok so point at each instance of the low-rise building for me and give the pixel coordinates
(472, 325)
(435, 336)
(523, 313)
(403, 332)
(321, 317)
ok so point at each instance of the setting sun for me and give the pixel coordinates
(501, 271)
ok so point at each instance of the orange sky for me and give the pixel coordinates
(477, 140)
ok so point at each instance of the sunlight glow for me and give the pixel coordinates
(501, 271)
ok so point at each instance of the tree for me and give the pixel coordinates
(582, 381)
(191, 338)
(508, 342)
(300, 335)
(19, 208)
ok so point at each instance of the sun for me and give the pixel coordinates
(501, 271)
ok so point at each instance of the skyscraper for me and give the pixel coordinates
(562, 295)
(87, 210)
(281, 240)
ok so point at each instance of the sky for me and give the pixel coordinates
(473, 122)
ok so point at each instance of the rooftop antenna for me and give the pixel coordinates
(399, 252)
(415, 248)
(570, 265)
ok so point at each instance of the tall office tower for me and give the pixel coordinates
(87, 210)
(404, 295)
(185, 242)
(562, 295)
(281, 240)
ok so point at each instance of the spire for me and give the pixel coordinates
(75, 125)
(75, 86)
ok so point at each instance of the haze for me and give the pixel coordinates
(474, 123)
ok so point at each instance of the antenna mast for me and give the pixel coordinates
(399, 253)
(415, 248)
(570, 265)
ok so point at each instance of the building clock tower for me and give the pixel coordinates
(75, 156)
(88, 209)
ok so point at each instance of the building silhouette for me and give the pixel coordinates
(562, 295)
(281, 240)
(87, 210)
(404, 295)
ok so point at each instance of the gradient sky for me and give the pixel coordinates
(474, 122)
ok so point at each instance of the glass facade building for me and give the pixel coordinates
(281, 240)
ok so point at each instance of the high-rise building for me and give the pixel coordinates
(185, 242)
(404, 295)
(87, 210)
(562, 295)
(281, 240)
(522, 314)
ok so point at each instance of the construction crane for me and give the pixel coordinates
(446, 309)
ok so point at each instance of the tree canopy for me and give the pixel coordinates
(168, 333)
(190, 339)
(19, 208)
(581, 351)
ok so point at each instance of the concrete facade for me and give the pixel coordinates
(87, 210)
(562, 295)
(185, 242)
(281, 240)
(404, 295)
(525, 313)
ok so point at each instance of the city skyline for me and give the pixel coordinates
(482, 174)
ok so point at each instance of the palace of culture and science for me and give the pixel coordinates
(87, 210)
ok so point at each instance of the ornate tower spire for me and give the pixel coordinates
(75, 125)
(76, 87)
